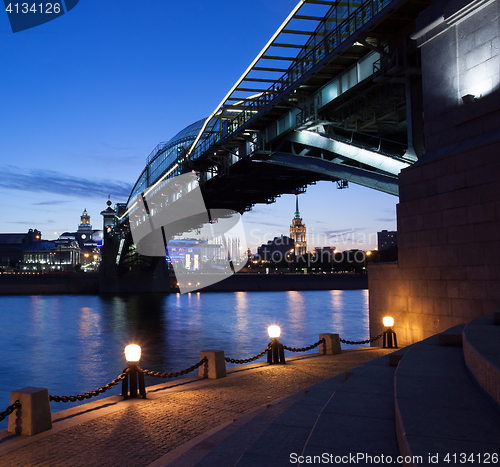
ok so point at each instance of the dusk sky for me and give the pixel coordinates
(86, 98)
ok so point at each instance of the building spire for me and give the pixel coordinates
(297, 213)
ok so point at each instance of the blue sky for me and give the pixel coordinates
(86, 97)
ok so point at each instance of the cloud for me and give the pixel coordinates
(49, 203)
(51, 181)
(386, 219)
(333, 233)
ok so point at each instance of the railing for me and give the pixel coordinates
(133, 375)
(302, 65)
(366, 12)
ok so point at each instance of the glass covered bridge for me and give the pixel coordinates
(334, 95)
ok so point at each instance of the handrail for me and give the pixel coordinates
(302, 65)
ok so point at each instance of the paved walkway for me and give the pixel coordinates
(138, 432)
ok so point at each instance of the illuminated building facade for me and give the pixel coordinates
(298, 232)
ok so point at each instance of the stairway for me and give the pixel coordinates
(425, 402)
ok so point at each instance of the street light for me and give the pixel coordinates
(389, 333)
(276, 354)
(133, 356)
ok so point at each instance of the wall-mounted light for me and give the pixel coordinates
(468, 98)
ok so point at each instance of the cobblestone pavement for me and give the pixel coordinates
(144, 431)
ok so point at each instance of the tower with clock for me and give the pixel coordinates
(84, 232)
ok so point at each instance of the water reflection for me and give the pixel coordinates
(72, 344)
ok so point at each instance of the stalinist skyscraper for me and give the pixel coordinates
(298, 231)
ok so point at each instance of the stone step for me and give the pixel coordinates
(439, 409)
(481, 347)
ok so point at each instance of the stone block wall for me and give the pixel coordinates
(449, 212)
(449, 247)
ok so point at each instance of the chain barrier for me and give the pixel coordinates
(88, 395)
(248, 360)
(304, 349)
(367, 341)
(177, 373)
(10, 409)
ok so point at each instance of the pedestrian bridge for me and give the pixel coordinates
(334, 95)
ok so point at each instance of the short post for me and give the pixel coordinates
(276, 354)
(215, 366)
(34, 415)
(135, 374)
(390, 339)
(331, 344)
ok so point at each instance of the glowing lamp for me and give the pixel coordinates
(468, 98)
(388, 321)
(274, 332)
(133, 353)
(390, 338)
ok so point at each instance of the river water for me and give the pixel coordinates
(71, 344)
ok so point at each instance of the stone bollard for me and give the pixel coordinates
(331, 346)
(34, 415)
(215, 367)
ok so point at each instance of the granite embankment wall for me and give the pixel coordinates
(449, 247)
(279, 282)
(28, 284)
(47, 284)
(449, 210)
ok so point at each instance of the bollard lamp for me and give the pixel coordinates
(276, 354)
(135, 374)
(390, 339)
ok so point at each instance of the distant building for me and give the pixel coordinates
(13, 246)
(52, 256)
(195, 254)
(298, 232)
(276, 250)
(324, 254)
(88, 241)
(387, 239)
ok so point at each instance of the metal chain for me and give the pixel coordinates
(10, 409)
(362, 342)
(177, 373)
(90, 394)
(304, 349)
(248, 360)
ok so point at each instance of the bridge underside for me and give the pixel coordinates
(304, 157)
(346, 110)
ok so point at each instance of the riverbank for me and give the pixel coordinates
(155, 431)
(88, 283)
